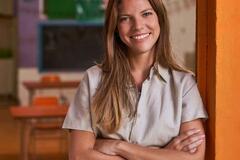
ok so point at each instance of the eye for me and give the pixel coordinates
(124, 19)
(146, 14)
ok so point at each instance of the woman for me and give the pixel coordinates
(139, 103)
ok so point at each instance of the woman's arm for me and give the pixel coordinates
(136, 152)
(187, 141)
(81, 147)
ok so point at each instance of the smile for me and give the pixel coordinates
(139, 37)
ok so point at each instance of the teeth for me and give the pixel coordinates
(141, 36)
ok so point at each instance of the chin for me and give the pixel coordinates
(144, 49)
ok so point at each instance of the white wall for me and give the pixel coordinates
(182, 17)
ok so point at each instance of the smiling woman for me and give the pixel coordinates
(139, 32)
(139, 103)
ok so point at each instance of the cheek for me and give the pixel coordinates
(156, 24)
(158, 29)
(122, 31)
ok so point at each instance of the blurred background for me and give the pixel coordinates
(45, 46)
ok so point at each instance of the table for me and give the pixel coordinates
(25, 114)
(32, 86)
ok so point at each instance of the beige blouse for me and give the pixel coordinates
(168, 98)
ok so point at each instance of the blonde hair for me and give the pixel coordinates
(112, 97)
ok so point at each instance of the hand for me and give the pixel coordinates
(106, 146)
(119, 158)
(187, 141)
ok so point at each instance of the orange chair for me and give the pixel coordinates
(47, 128)
(45, 101)
(50, 78)
(53, 78)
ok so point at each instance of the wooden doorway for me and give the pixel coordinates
(206, 64)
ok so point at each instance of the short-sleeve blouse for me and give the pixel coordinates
(168, 98)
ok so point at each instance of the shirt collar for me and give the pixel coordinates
(161, 71)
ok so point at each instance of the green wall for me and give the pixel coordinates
(74, 9)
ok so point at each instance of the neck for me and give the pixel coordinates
(140, 67)
(141, 63)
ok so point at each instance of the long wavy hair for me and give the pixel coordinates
(112, 97)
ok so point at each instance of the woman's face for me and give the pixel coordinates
(138, 26)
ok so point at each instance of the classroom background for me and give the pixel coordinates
(45, 46)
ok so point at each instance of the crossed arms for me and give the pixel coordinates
(189, 145)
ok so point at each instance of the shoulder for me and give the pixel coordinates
(183, 77)
(184, 80)
(92, 75)
(94, 72)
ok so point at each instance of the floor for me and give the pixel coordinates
(10, 141)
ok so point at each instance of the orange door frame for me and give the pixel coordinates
(206, 66)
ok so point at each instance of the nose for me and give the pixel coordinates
(138, 23)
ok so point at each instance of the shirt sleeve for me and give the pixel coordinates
(192, 104)
(79, 116)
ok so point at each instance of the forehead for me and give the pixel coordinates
(131, 6)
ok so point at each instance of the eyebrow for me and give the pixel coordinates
(148, 9)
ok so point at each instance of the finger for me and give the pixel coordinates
(153, 147)
(178, 141)
(193, 150)
(187, 134)
(192, 139)
(193, 145)
(185, 149)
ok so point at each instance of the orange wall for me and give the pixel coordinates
(227, 140)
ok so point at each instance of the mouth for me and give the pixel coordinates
(140, 36)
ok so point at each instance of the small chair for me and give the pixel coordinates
(50, 78)
(46, 128)
(45, 101)
(53, 78)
